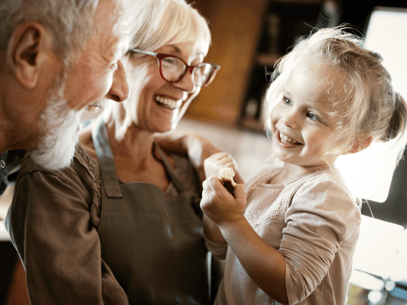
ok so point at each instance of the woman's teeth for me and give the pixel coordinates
(168, 103)
(285, 139)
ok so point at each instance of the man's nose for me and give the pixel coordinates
(120, 88)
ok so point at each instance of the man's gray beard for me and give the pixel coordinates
(59, 128)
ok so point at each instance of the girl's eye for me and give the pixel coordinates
(313, 117)
(286, 100)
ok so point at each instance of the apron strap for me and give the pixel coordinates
(105, 158)
(209, 268)
(169, 169)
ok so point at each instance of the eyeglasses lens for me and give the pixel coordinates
(173, 69)
(203, 72)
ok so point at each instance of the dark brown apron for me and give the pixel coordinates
(154, 245)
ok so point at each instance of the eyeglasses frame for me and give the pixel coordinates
(161, 56)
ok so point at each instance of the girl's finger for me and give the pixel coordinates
(210, 183)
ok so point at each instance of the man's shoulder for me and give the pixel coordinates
(82, 167)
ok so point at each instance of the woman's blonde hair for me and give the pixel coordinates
(364, 104)
(153, 24)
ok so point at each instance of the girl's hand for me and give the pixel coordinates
(219, 205)
(216, 162)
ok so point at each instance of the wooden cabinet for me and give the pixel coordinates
(235, 26)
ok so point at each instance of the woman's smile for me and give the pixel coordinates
(167, 102)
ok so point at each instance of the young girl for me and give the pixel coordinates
(294, 241)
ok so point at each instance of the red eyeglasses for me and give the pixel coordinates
(173, 68)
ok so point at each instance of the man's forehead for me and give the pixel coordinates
(123, 44)
(109, 13)
(120, 30)
(106, 7)
(111, 29)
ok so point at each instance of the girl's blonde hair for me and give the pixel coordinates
(364, 104)
(153, 24)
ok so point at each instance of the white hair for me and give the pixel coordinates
(70, 21)
(153, 24)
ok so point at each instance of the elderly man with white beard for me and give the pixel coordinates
(56, 58)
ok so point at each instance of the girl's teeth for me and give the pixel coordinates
(169, 103)
(286, 139)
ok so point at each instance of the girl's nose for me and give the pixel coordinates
(291, 120)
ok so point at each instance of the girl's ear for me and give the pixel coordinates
(27, 50)
(360, 145)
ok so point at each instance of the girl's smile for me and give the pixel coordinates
(286, 140)
(301, 129)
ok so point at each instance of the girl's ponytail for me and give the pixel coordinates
(398, 121)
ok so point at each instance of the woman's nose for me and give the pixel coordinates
(120, 88)
(187, 83)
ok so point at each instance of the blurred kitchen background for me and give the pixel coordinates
(247, 37)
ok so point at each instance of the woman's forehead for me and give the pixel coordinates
(186, 48)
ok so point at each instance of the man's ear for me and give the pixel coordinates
(27, 51)
(360, 145)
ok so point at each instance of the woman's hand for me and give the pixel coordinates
(219, 205)
(196, 147)
(216, 162)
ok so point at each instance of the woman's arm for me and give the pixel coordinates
(190, 143)
(195, 146)
(264, 264)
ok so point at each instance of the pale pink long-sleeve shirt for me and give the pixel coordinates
(314, 222)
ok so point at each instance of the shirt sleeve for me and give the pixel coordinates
(49, 222)
(218, 250)
(322, 215)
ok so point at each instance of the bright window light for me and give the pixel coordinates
(369, 173)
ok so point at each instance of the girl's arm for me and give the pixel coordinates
(263, 263)
(212, 231)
